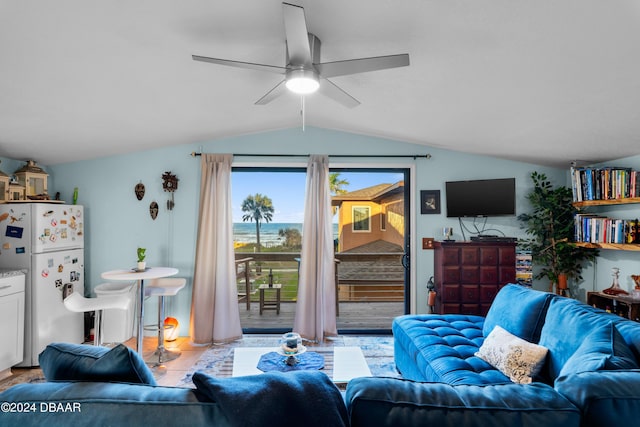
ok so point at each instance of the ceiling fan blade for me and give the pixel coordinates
(239, 64)
(362, 65)
(277, 91)
(330, 89)
(295, 28)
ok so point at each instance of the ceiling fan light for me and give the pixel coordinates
(302, 82)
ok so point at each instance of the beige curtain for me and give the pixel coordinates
(316, 308)
(214, 304)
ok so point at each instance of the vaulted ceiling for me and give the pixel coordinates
(544, 81)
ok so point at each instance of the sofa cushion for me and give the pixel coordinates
(606, 398)
(79, 362)
(92, 404)
(519, 310)
(568, 324)
(277, 398)
(441, 348)
(602, 349)
(516, 358)
(403, 403)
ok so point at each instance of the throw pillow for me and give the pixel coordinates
(524, 319)
(276, 398)
(602, 349)
(80, 362)
(516, 358)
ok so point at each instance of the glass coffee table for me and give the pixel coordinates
(342, 364)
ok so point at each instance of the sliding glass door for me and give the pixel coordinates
(371, 218)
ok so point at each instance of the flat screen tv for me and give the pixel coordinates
(484, 197)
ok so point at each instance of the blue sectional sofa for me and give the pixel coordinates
(97, 386)
(537, 359)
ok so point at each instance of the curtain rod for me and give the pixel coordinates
(413, 156)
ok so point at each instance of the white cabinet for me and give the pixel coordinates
(11, 318)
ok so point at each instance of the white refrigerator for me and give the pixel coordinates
(46, 239)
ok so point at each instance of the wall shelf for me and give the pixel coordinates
(608, 202)
(613, 246)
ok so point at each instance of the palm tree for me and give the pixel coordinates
(336, 187)
(257, 208)
(336, 184)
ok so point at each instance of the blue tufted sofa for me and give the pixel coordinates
(589, 376)
(97, 386)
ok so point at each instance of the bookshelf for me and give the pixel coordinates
(606, 186)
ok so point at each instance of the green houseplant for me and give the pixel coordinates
(551, 227)
(141, 256)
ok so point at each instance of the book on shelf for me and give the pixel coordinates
(592, 228)
(604, 183)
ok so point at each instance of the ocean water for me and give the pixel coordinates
(245, 232)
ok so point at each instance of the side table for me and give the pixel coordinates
(270, 304)
(621, 305)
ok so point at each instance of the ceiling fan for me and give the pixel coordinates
(304, 73)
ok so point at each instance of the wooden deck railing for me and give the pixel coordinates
(368, 276)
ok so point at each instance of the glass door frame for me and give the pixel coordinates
(409, 170)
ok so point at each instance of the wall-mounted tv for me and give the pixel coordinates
(484, 197)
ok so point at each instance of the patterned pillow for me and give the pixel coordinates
(516, 358)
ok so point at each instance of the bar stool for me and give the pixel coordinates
(163, 288)
(79, 304)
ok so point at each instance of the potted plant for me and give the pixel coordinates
(141, 256)
(551, 225)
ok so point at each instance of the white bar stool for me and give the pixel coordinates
(162, 288)
(79, 304)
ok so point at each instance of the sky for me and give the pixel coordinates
(286, 190)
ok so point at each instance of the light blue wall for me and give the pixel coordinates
(117, 223)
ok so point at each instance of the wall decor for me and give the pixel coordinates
(430, 201)
(153, 210)
(170, 184)
(139, 190)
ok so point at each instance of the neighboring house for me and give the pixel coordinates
(370, 214)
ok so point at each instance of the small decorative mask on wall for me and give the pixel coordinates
(139, 190)
(170, 184)
(153, 210)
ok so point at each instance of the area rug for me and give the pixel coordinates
(217, 361)
(22, 375)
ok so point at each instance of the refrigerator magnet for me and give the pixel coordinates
(15, 232)
(20, 250)
(45, 273)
